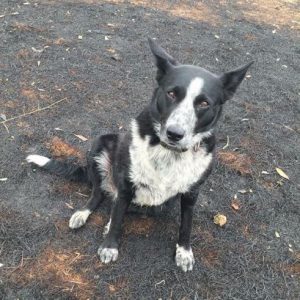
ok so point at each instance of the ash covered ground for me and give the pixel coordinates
(84, 68)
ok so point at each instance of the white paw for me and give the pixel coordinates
(37, 159)
(106, 228)
(79, 218)
(108, 254)
(184, 258)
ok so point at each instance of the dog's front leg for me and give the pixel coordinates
(184, 255)
(108, 251)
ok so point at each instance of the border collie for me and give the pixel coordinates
(167, 152)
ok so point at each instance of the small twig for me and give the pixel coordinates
(83, 195)
(32, 112)
(22, 260)
(282, 125)
(227, 144)
(6, 128)
(77, 282)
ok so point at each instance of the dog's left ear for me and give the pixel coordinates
(164, 61)
(232, 79)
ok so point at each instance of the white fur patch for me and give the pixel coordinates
(37, 159)
(105, 169)
(184, 258)
(159, 173)
(79, 218)
(108, 254)
(184, 115)
(106, 228)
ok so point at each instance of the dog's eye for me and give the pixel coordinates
(203, 104)
(171, 95)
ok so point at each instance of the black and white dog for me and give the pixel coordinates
(167, 152)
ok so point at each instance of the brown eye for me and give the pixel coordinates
(171, 95)
(203, 104)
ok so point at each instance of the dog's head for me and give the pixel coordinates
(188, 101)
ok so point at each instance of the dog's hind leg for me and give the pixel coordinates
(80, 217)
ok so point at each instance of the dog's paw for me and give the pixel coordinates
(108, 254)
(184, 258)
(37, 159)
(79, 218)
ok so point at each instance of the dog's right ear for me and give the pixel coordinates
(164, 61)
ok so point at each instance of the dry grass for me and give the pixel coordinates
(66, 188)
(23, 54)
(58, 270)
(192, 10)
(61, 149)
(209, 257)
(197, 10)
(10, 104)
(60, 42)
(119, 285)
(235, 161)
(30, 94)
(272, 12)
(23, 27)
(292, 269)
(97, 219)
(139, 226)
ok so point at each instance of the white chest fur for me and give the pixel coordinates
(159, 173)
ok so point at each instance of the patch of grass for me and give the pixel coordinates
(237, 162)
(62, 149)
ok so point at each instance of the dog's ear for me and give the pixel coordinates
(232, 79)
(164, 61)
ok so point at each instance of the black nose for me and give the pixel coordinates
(174, 133)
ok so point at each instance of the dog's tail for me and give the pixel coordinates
(61, 168)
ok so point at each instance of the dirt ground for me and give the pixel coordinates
(84, 68)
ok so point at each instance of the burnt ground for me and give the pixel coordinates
(104, 78)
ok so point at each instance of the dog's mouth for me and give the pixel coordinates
(172, 147)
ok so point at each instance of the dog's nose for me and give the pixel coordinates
(174, 133)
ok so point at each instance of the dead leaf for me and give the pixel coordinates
(112, 288)
(235, 205)
(282, 173)
(220, 219)
(81, 137)
(111, 50)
